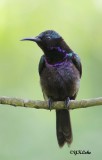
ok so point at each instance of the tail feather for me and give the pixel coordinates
(63, 127)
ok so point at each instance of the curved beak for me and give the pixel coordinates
(35, 39)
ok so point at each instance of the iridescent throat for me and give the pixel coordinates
(60, 50)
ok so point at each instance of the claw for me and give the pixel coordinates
(67, 102)
(50, 103)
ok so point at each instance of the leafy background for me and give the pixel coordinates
(30, 133)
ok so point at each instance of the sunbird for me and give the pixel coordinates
(60, 72)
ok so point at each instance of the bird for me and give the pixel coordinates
(60, 71)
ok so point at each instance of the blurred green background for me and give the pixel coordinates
(28, 134)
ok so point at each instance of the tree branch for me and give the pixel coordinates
(74, 104)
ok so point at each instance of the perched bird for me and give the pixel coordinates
(60, 71)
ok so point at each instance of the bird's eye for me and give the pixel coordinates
(48, 37)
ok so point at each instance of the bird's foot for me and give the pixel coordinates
(67, 103)
(50, 101)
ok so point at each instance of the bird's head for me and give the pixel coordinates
(50, 42)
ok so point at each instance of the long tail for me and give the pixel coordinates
(63, 127)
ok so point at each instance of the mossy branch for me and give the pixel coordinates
(74, 104)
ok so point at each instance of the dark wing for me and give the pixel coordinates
(40, 69)
(77, 62)
(41, 64)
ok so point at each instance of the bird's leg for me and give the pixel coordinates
(67, 102)
(50, 101)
